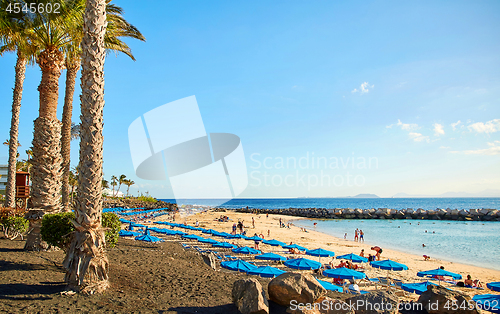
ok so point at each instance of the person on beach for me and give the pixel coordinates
(356, 235)
(234, 229)
(268, 233)
(426, 257)
(267, 215)
(197, 224)
(362, 254)
(315, 224)
(378, 250)
(361, 236)
(253, 223)
(472, 283)
(345, 236)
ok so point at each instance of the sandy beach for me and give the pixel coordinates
(312, 240)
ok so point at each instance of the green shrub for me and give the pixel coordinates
(112, 222)
(56, 226)
(14, 226)
(148, 199)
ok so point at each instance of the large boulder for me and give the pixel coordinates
(249, 297)
(439, 300)
(375, 303)
(300, 288)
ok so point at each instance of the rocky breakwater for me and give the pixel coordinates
(483, 214)
(136, 203)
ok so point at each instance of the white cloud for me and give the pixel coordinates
(494, 149)
(445, 147)
(488, 127)
(363, 88)
(417, 137)
(438, 129)
(454, 125)
(407, 126)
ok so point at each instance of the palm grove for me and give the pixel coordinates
(79, 34)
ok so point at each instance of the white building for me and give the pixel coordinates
(3, 178)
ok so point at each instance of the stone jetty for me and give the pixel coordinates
(483, 214)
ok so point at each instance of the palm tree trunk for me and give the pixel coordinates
(71, 72)
(10, 191)
(86, 261)
(46, 169)
(46, 161)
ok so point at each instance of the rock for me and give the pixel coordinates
(375, 302)
(439, 300)
(210, 260)
(302, 288)
(249, 297)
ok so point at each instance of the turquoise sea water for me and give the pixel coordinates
(363, 203)
(467, 242)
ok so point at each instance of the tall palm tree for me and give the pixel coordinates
(86, 261)
(121, 180)
(51, 33)
(114, 182)
(117, 28)
(129, 183)
(13, 37)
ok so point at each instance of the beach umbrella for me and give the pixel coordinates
(274, 242)
(320, 252)
(294, 246)
(137, 225)
(495, 286)
(205, 240)
(439, 272)
(302, 263)
(125, 221)
(271, 257)
(208, 231)
(266, 271)
(488, 302)
(237, 236)
(126, 233)
(254, 238)
(353, 258)
(417, 288)
(343, 273)
(330, 286)
(148, 238)
(222, 234)
(224, 245)
(389, 265)
(190, 236)
(246, 250)
(238, 265)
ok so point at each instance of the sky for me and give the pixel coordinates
(329, 98)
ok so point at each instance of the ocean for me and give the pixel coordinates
(363, 203)
(467, 242)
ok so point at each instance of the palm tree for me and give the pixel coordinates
(114, 183)
(117, 27)
(51, 33)
(13, 37)
(86, 261)
(128, 183)
(121, 180)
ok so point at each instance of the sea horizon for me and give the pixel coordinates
(362, 203)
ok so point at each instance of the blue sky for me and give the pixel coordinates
(414, 86)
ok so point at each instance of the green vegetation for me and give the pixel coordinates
(148, 199)
(57, 227)
(111, 221)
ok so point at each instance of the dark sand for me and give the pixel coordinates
(144, 278)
